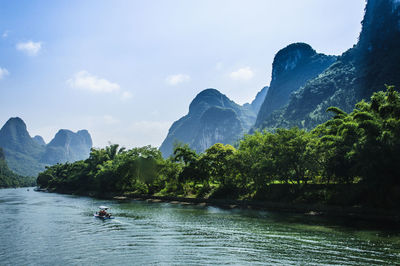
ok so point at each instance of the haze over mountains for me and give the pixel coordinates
(28, 156)
(303, 85)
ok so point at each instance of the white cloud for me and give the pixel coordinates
(242, 74)
(126, 95)
(86, 81)
(3, 72)
(176, 79)
(30, 48)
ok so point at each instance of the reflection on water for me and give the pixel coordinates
(48, 229)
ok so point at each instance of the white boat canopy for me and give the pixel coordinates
(103, 207)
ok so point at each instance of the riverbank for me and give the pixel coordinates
(370, 215)
(306, 209)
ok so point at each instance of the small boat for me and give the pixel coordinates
(103, 214)
(103, 217)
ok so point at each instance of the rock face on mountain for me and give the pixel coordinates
(293, 66)
(20, 149)
(39, 140)
(28, 156)
(255, 105)
(377, 53)
(67, 146)
(357, 73)
(212, 118)
(14, 136)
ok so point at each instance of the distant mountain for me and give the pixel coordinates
(28, 156)
(39, 140)
(14, 136)
(292, 67)
(20, 149)
(357, 73)
(68, 146)
(255, 105)
(212, 118)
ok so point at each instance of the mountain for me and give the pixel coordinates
(255, 105)
(212, 118)
(14, 136)
(39, 140)
(28, 156)
(356, 74)
(67, 146)
(292, 67)
(21, 151)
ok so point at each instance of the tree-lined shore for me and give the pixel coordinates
(350, 160)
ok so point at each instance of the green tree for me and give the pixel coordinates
(217, 160)
(293, 156)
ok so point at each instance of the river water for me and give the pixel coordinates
(39, 228)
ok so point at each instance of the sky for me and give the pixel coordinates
(126, 70)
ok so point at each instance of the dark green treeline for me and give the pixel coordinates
(354, 157)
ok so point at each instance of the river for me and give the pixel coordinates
(52, 229)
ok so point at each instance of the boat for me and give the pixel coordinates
(103, 214)
(103, 217)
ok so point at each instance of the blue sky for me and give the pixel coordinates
(125, 70)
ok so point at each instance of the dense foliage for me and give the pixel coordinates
(360, 150)
(10, 179)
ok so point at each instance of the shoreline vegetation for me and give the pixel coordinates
(347, 166)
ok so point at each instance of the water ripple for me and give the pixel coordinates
(53, 229)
